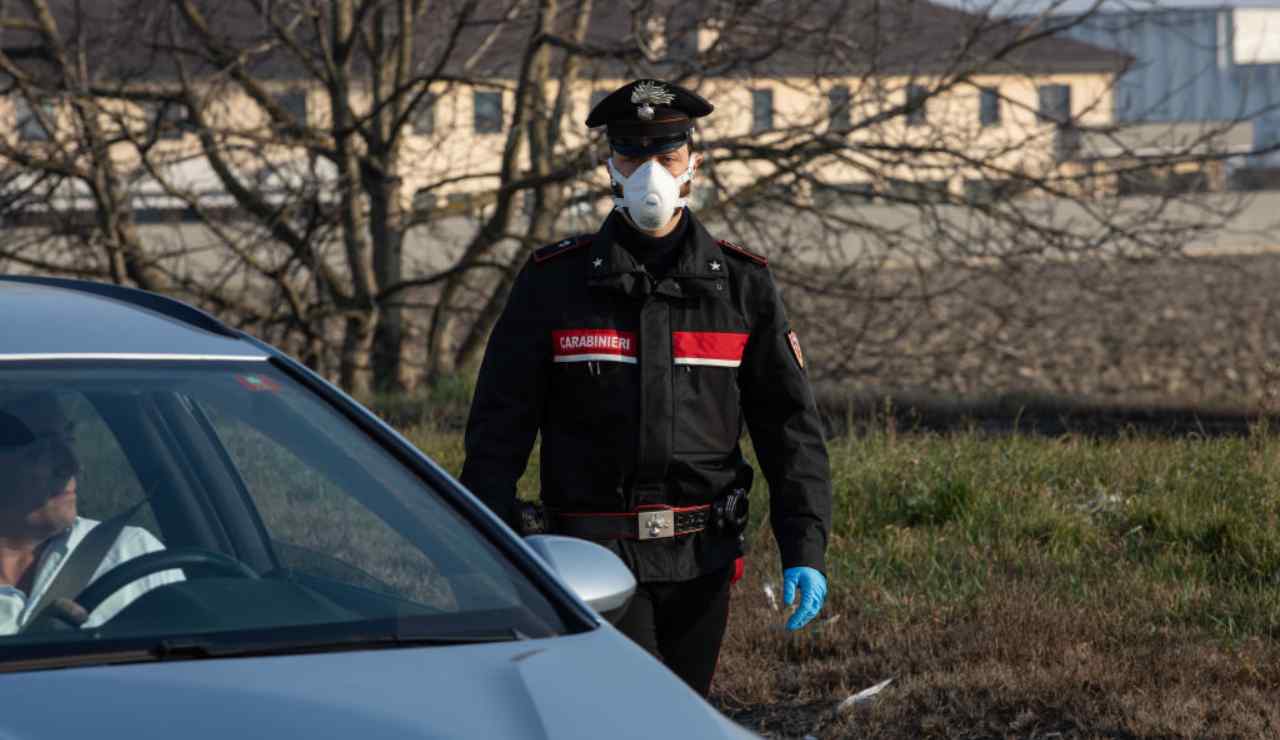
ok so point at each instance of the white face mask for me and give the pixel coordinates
(651, 195)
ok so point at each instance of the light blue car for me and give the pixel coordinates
(271, 560)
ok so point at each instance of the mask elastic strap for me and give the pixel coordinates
(686, 176)
(618, 181)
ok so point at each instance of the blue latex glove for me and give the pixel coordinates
(813, 587)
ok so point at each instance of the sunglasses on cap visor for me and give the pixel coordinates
(642, 147)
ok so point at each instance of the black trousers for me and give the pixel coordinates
(682, 624)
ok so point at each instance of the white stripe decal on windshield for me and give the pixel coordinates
(128, 356)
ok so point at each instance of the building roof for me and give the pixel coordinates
(826, 38)
(134, 39)
(854, 37)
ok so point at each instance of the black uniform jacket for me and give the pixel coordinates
(640, 389)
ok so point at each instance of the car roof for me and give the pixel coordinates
(54, 318)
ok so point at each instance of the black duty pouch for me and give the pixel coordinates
(731, 512)
(530, 519)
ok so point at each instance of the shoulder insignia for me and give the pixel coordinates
(732, 248)
(542, 254)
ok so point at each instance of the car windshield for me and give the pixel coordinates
(240, 506)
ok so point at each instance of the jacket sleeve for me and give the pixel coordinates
(507, 406)
(785, 428)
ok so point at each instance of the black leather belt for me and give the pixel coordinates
(649, 523)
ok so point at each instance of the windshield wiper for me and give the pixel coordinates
(189, 648)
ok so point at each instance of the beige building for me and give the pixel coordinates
(903, 121)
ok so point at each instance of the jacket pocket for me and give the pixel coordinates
(708, 409)
(596, 397)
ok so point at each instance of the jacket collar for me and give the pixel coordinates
(702, 258)
(698, 269)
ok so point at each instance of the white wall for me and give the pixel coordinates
(1257, 36)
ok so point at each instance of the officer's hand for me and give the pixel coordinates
(813, 587)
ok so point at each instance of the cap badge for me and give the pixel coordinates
(646, 94)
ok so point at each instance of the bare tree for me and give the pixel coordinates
(60, 150)
(894, 159)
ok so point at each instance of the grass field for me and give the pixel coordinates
(1020, 587)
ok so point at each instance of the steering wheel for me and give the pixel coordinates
(155, 562)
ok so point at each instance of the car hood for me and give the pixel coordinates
(578, 686)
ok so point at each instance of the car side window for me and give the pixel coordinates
(319, 529)
(107, 483)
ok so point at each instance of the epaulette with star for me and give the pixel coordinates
(542, 254)
(732, 248)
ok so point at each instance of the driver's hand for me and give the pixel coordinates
(68, 611)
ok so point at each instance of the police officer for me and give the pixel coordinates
(639, 352)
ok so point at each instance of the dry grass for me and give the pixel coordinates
(1032, 589)
(1010, 663)
(1021, 587)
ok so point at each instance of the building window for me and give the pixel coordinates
(989, 107)
(294, 103)
(917, 105)
(761, 110)
(488, 112)
(30, 128)
(424, 118)
(1055, 103)
(993, 190)
(169, 120)
(838, 118)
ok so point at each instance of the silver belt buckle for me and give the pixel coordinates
(656, 525)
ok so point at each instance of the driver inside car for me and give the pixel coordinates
(39, 525)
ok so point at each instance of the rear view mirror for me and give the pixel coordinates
(596, 575)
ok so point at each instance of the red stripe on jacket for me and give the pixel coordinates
(722, 348)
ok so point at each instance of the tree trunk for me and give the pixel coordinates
(388, 344)
(387, 217)
(357, 339)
